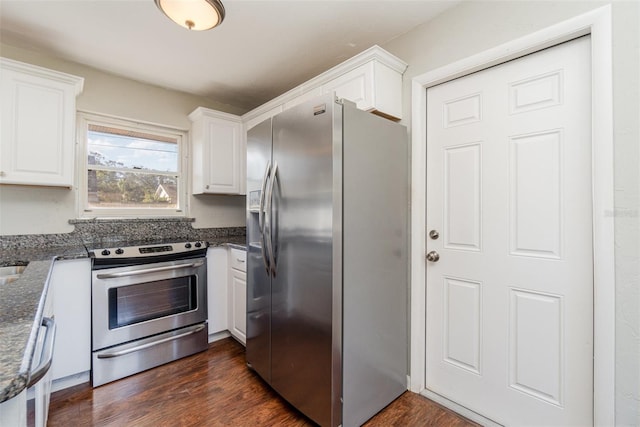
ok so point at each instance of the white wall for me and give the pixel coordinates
(473, 27)
(39, 210)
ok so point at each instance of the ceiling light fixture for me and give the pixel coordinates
(195, 15)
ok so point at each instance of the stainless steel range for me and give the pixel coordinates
(149, 307)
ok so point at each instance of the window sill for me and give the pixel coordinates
(124, 219)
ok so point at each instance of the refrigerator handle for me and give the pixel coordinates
(274, 173)
(261, 215)
(262, 189)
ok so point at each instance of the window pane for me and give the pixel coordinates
(131, 152)
(115, 189)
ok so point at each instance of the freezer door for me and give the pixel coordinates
(258, 350)
(301, 349)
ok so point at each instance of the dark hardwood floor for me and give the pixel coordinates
(212, 388)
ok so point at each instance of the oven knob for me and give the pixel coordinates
(106, 252)
(119, 251)
(187, 245)
(198, 244)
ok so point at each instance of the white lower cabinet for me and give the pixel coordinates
(238, 294)
(13, 412)
(70, 285)
(238, 324)
(226, 293)
(217, 285)
(42, 389)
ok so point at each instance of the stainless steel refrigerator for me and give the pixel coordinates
(327, 277)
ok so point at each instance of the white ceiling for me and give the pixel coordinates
(262, 49)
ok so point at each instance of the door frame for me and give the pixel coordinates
(597, 23)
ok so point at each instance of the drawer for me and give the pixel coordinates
(238, 259)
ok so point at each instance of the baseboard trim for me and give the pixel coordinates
(70, 381)
(459, 409)
(218, 336)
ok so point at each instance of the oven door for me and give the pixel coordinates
(134, 302)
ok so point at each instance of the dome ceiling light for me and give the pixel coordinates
(195, 15)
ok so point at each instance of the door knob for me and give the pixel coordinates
(433, 256)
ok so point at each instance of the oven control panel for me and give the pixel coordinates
(148, 250)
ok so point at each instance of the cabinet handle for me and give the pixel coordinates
(239, 260)
(47, 352)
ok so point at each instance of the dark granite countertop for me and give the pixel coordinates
(242, 247)
(237, 243)
(22, 301)
(23, 256)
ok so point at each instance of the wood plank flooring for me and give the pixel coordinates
(212, 388)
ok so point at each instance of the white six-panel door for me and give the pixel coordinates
(509, 331)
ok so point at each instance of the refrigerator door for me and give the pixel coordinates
(302, 287)
(258, 349)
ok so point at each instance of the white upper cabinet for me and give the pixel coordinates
(373, 86)
(371, 79)
(38, 125)
(217, 152)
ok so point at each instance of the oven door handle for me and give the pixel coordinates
(148, 270)
(124, 352)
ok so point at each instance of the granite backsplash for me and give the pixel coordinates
(96, 233)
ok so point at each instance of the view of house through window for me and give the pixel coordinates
(131, 169)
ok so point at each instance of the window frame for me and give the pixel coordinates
(84, 120)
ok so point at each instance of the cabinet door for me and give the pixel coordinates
(38, 125)
(217, 271)
(40, 392)
(217, 152)
(238, 288)
(372, 86)
(225, 167)
(42, 389)
(356, 86)
(13, 412)
(70, 283)
(238, 294)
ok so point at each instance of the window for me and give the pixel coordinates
(130, 169)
